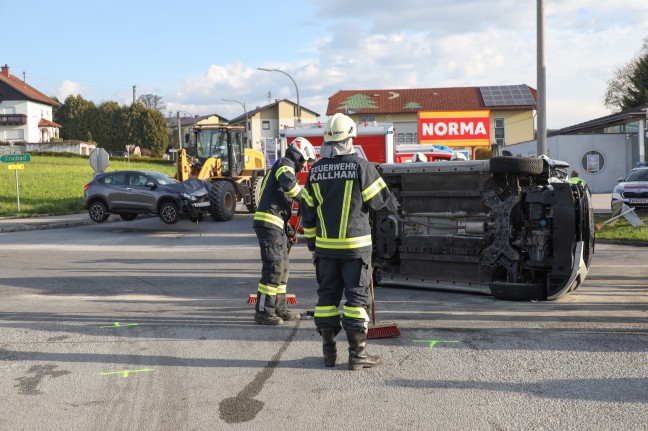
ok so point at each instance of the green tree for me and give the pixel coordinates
(637, 92)
(628, 87)
(108, 131)
(155, 131)
(75, 115)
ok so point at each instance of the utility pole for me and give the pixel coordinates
(541, 134)
(179, 133)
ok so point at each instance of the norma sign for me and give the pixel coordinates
(454, 128)
(15, 158)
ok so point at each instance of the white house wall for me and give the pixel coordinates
(619, 152)
(36, 111)
(28, 132)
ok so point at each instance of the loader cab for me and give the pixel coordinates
(223, 143)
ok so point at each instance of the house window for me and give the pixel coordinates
(366, 118)
(499, 131)
(266, 125)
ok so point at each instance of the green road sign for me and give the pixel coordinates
(15, 158)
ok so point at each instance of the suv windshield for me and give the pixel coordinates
(638, 175)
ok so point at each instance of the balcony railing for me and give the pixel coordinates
(13, 119)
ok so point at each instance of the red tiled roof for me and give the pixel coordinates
(401, 101)
(26, 89)
(46, 123)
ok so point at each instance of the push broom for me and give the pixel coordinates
(379, 330)
(290, 298)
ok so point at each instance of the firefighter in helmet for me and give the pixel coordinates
(271, 224)
(339, 191)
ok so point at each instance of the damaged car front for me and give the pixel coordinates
(513, 227)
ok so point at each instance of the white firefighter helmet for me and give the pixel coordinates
(305, 148)
(458, 156)
(419, 157)
(339, 128)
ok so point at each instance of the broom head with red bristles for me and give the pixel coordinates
(383, 330)
(290, 299)
(379, 330)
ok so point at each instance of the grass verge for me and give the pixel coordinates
(621, 230)
(54, 184)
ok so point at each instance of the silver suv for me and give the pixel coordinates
(129, 193)
(631, 191)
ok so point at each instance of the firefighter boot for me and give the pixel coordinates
(265, 312)
(328, 346)
(265, 318)
(282, 309)
(358, 357)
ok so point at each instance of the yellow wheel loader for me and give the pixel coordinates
(235, 172)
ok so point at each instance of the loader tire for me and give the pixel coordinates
(255, 193)
(222, 199)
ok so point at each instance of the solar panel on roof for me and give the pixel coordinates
(507, 95)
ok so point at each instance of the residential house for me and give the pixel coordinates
(265, 122)
(25, 113)
(187, 127)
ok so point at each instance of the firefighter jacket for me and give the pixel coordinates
(335, 205)
(279, 188)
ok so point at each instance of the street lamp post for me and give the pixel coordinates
(246, 117)
(296, 89)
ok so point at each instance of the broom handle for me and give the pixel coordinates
(294, 234)
(373, 302)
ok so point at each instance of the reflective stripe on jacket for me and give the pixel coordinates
(279, 188)
(335, 203)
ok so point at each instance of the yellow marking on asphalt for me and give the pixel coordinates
(120, 325)
(125, 373)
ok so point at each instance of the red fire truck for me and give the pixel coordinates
(375, 142)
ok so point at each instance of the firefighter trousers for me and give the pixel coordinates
(343, 276)
(273, 244)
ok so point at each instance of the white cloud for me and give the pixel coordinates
(69, 88)
(418, 44)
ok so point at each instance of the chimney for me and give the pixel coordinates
(5, 70)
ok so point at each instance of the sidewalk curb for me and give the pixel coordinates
(21, 224)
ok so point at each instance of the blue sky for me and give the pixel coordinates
(194, 54)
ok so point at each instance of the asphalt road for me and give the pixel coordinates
(142, 326)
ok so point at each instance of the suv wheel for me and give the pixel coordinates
(169, 212)
(98, 212)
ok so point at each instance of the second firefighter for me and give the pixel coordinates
(271, 224)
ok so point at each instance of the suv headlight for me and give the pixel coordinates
(188, 197)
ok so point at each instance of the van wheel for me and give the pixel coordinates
(516, 165)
